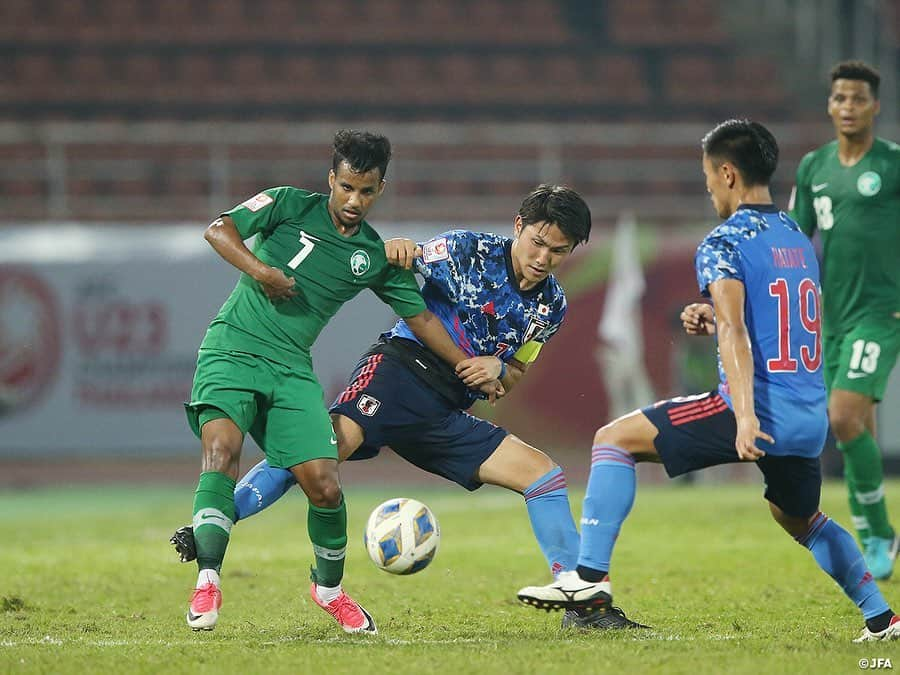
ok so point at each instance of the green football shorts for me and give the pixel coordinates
(282, 408)
(862, 359)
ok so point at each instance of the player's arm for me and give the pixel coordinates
(431, 332)
(223, 236)
(698, 318)
(402, 252)
(510, 372)
(801, 202)
(737, 360)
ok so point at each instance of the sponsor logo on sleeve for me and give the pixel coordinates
(435, 250)
(258, 202)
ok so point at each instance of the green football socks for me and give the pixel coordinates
(860, 522)
(328, 533)
(862, 459)
(213, 518)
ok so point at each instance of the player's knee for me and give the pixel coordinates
(323, 489)
(539, 465)
(845, 423)
(611, 434)
(220, 453)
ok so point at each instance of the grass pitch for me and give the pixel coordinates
(89, 584)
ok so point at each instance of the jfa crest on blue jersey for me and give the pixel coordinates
(471, 286)
(766, 251)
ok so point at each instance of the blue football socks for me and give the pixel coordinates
(261, 487)
(547, 500)
(608, 501)
(837, 553)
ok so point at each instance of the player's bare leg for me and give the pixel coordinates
(517, 466)
(221, 441)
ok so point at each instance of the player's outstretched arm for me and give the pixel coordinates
(429, 329)
(402, 252)
(698, 318)
(737, 360)
(224, 237)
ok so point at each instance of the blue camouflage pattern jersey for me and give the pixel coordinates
(470, 285)
(765, 250)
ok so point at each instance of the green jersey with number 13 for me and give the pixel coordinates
(857, 212)
(295, 234)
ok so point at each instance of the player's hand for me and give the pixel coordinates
(494, 391)
(401, 252)
(745, 443)
(479, 370)
(698, 319)
(277, 285)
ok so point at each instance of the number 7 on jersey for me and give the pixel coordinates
(308, 244)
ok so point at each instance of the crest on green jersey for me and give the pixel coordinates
(359, 262)
(869, 184)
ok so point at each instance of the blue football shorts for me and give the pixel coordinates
(397, 408)
(699, 431)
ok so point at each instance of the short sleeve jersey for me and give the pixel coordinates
(295, 233)
(471, 286)
(766, 251)
(857, 212)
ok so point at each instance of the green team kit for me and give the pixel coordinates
(857, 212)
(254, 365)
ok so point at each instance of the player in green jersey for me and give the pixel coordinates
(849, 189)
(313, 252)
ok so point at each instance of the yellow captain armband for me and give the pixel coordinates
(528, 352)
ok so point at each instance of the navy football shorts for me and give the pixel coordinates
(397, 408)
(699, 431)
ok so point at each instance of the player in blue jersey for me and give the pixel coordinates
(762, 276)
(498, 299)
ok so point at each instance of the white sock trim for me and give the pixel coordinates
(873, 497)
(330, 553)
(860, 522)
(212, 517)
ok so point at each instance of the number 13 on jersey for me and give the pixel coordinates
(789, 336)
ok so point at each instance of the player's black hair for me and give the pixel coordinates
(560, 206)
(857, 70)
(363, 151)
(748, 145)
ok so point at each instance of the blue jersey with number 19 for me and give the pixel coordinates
(765, 250)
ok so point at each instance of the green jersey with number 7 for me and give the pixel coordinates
(295, 233)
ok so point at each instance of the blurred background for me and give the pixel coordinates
(126, 126)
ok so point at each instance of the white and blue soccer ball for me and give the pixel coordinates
(402, 536)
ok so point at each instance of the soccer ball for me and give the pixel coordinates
(402, 536)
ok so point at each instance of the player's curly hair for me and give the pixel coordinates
(362, 150)
(748, 145)
(857, 70)
(561, 206)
